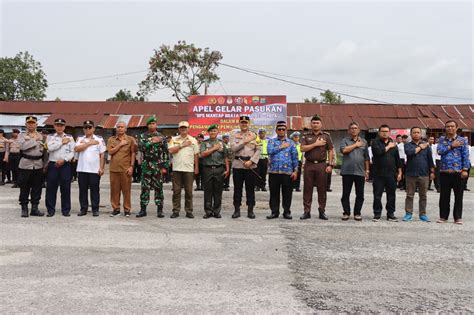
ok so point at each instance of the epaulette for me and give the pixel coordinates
(326, 133)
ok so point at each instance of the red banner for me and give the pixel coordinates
(225, 110)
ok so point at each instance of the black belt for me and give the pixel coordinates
(214, 166)
(316, 162)
(31, 157)
(15, 153)
(243, 158)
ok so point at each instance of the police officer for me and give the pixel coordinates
(14, 156)
(90, 167)
(215, 162)
(4, 145)
(246, 156)
(317, 147)
(262, 165)
(155, 163)
(61, 152)
(30, 173)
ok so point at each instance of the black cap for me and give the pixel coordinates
(45, 132)
(15, 130)
(31, 118)
(59, 121)
(88, 123)
(244, 118)
(316, 117)
(2, 131)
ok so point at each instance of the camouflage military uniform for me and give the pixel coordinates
(155, 157)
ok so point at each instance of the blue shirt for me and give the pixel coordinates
(453, 159)
(418, 164)
(282, 161)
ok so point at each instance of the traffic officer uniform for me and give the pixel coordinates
(155, 157)
(315, 171)
(59, 175)
(14, 157)
(262, 166)
(214, 167)
(30, 170)
(4, 144)
(244, 152)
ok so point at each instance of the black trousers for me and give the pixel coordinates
(59, 177)
(30, 182)
(283, 183)
(213, 182)
(241, 176)
(3, 166)
(402, 183)
(13, 161)
(447, 182)
(347, 182)
(390, 185)
(297, 182)
(89, 181)
(437, 174)
(262, 169)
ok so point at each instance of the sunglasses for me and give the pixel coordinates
(88, 127)
(281, 129)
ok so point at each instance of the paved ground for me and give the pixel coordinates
(212, 266)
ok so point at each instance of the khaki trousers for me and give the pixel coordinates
(413, 182)
(120, 183)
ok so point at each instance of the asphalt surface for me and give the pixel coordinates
(149, 265)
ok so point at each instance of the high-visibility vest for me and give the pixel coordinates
(264, 151)
(300, 154)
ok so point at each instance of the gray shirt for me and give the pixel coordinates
(31, 145)
(353, 162)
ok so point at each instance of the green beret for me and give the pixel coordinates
(214, 126)
(150, 120)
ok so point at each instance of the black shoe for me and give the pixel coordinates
(190, 215)
(66, 215)
(81, 213)
(207, 216)
(437, 190)
(95, 213)
(198, 188)
(467, 189)
(257, 188)
(287, 216)
(35, 212)
(305, 216)
(8, 182)
(430, 189)
(159, 212)
(298, 190)
(322, 215)
(15, 186)
(43, 186)
(329, 190)
(24, 211)
(217, 216)
(142, 213)
(392, 218)
(264, 189)
(226, 189)
(376, 218)
(115, 213)
(272, 216)
(49, 215)
(174, 215)
(236, 213)
(2, 183)
(250, 213)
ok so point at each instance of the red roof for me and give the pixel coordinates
(335, 116)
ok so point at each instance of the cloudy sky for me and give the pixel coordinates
(358, 48)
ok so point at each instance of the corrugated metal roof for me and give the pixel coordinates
(335, 117)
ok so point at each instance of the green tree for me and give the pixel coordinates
(329, 97)
(125, 96)
(311, 100)
(183, 68)
(22, 78)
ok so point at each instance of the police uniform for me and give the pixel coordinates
(88, 165)
(315, 171)
(59, 175)
(30, 173)
(4, 145)
(155, 157)
(244, 152)
(14, 157)
(214, 167)
(262, 166)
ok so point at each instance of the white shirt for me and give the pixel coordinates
(471, 156)
(89, 159)
(401, 151)
(59, 151)
(370, 153)
(434, 152)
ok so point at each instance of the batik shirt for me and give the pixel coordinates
(282, 161)
(453, 159)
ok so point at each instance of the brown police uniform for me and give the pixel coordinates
(120, 181)
(314, 169)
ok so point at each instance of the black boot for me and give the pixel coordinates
(236, 213)
(24, 211)
(322, 214)
(142, 212)
(250, 213)
(159, 212)
(35, 212)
